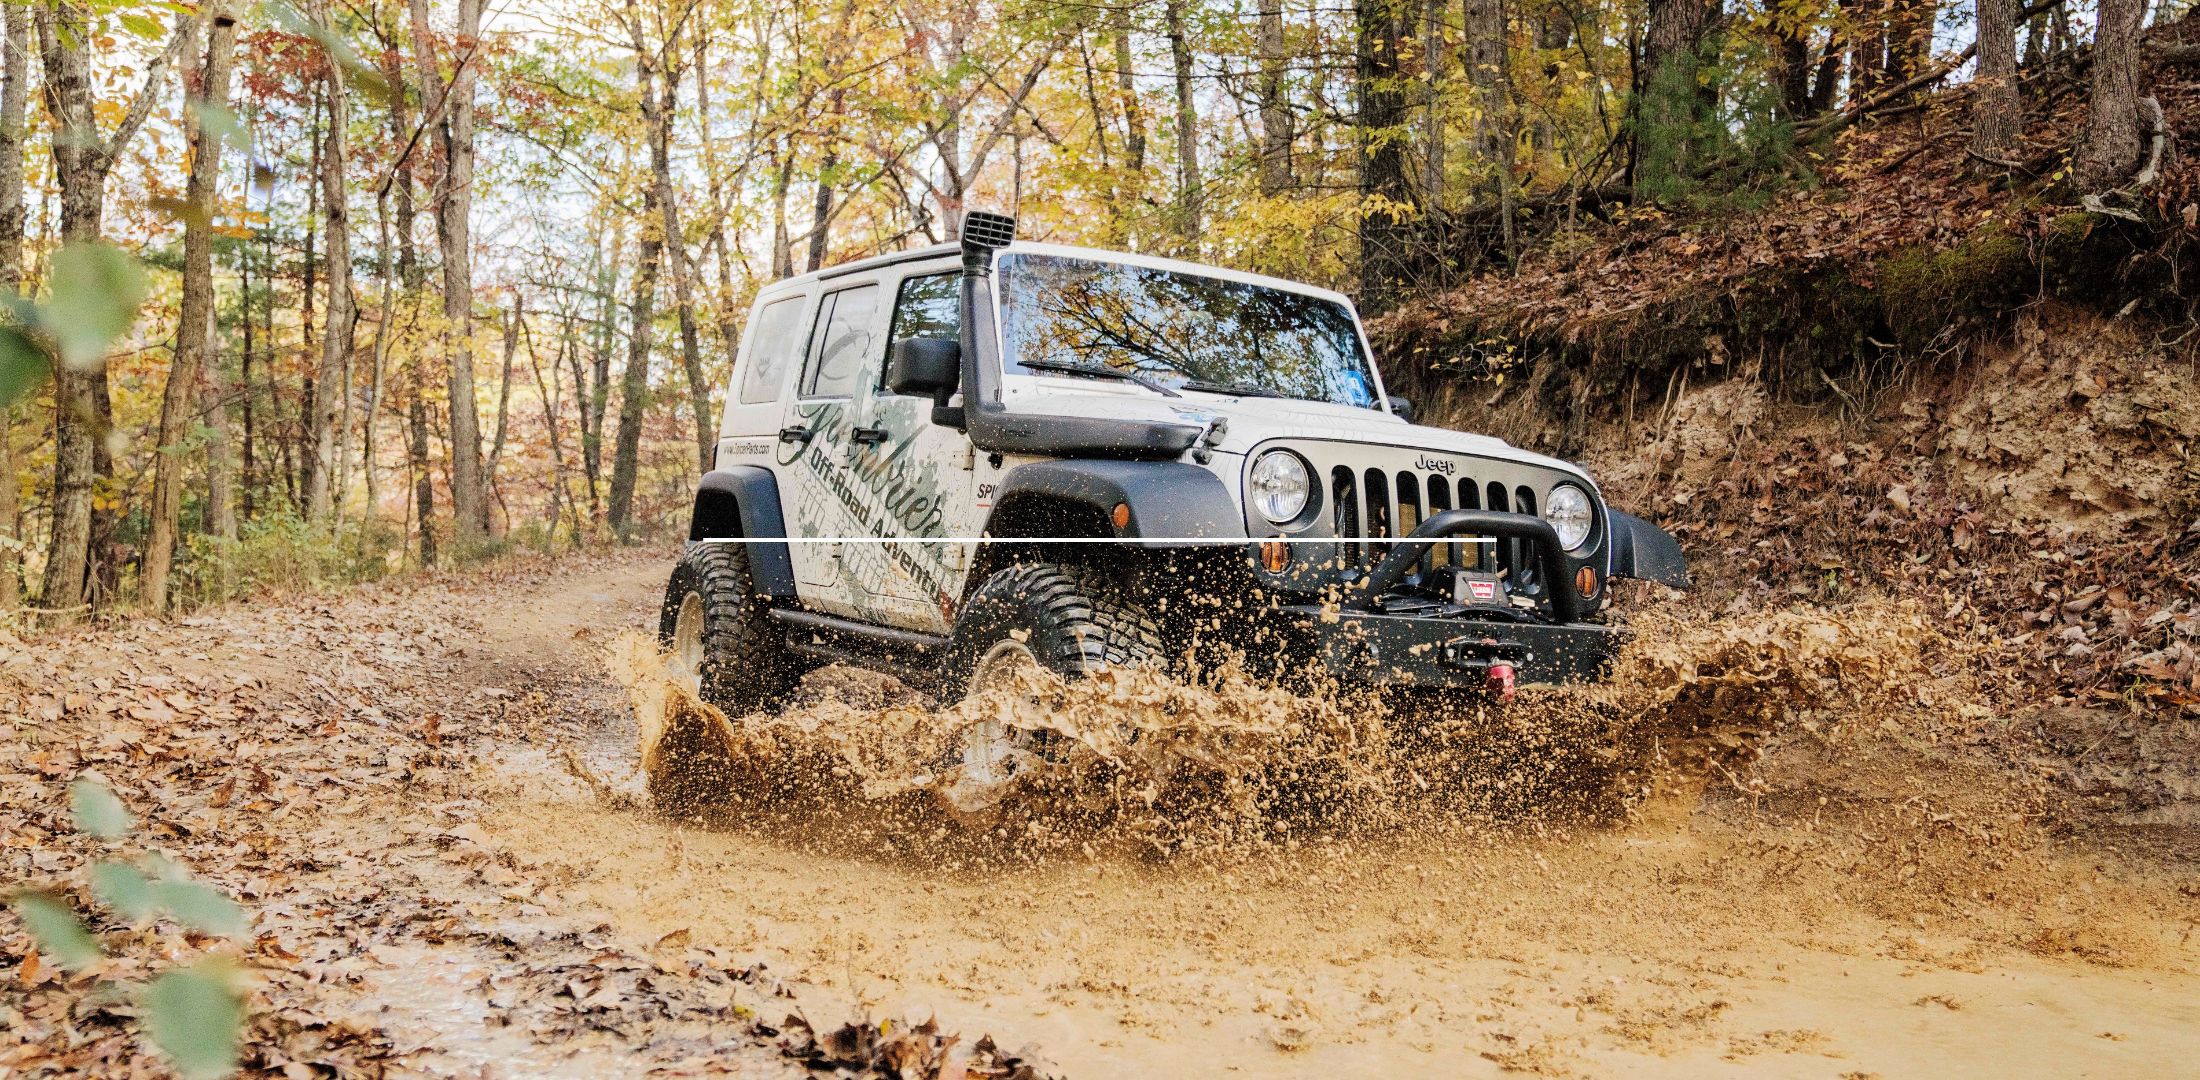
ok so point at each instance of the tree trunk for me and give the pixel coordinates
(1670, 104)
(821, 208)
(782, 162)
(15, 86)
(2109, 150)
(220, 518)
(1867, 47)
(1189, 193)
(548, 391)
(1487, 72)
(597, 402)
(1435, 62)
(634, 386)
(1791, 46)
(180, 400)
(454, 201)
(334, 391)
(512, 328)
(82, 158)
(1997, 113)
(660, 100)
(1379, 35)
(298, 449)
(1909, 37)
(380, 356)
(1126, 82)
(1275, 107)
(15, 83)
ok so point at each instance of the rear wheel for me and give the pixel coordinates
(726, 651)
(724, 644)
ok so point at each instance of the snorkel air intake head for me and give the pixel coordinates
(984, 233)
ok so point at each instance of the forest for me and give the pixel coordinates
(332, 289)
(359, 360)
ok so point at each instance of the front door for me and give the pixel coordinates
(918, 475)
(817, 438)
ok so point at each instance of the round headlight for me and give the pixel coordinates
(1281, 485)
(1568, 512)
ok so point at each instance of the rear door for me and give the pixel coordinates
(763, 375)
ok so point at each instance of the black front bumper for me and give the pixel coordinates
(1402, 650)
(1360, 640)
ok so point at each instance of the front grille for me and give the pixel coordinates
(1373, 493)
(1376, 503)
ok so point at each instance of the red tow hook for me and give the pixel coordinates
(1503, 682)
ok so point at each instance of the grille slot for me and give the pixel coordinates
(1378, 513)
(1344, 490)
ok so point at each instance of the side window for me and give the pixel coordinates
(772, 343)
(927, 307)
(841, 343)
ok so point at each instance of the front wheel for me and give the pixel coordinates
(1067, 620)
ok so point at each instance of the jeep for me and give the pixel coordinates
(954, 462)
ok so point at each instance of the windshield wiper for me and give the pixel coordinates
(1101, 370)
(1233, 388)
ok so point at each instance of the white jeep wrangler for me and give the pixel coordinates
(947, 462)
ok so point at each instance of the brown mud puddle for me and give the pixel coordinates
(1923, 931)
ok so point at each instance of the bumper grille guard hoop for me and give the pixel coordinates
(1406, 554)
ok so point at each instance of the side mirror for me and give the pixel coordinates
(1402, 407)
(925, 367)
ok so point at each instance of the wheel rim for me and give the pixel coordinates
(993, 751)
(687, 643)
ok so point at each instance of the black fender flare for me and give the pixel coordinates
(1170, 502)
(1645, 552)
(740, 503)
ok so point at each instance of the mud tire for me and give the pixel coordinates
(1073, 620)
(742, 662)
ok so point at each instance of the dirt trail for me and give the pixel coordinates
(1903, 940)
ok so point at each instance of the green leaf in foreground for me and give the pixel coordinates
(221, 123)
(202, 908)
(126, 889)
(58, 933)
(96, 292)
(194, 1015)
(23, 365)
(97, 810)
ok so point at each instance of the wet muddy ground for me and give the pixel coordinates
(431, 799)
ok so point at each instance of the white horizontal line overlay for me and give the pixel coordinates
(1187, 540)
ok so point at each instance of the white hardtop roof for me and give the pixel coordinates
(1179, 266)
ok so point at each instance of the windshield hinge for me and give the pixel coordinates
(1218, 429)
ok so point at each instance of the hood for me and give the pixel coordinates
(1253, 421)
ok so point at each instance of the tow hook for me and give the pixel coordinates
(1502, 683)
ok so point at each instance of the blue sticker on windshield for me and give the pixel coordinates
(1357, 390)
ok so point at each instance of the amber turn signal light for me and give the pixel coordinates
(1121, 516)
(1586, 581)
(1274, 555)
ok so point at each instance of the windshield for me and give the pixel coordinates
(1184, 331)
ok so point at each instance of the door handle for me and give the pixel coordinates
(797, 433)
(868, 436)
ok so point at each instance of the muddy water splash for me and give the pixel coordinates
(1225, 762)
